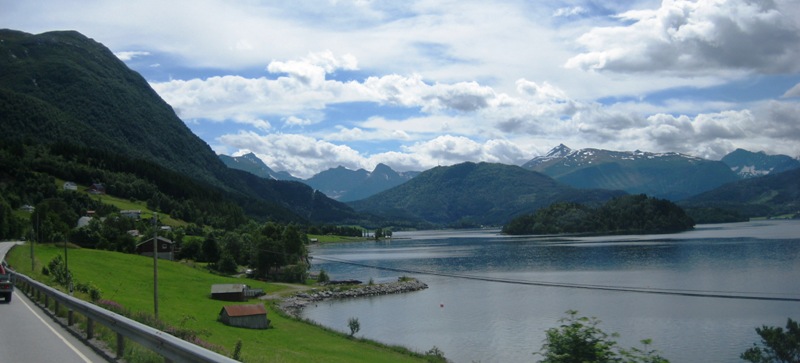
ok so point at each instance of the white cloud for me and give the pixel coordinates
(479, 81)
(695, 37)
(792, 92)
(296, 121)
(128, 55)
(570, 11)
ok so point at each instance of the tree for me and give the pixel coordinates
(354, 326)
(579, 340)
(777, 345)
(210, 249)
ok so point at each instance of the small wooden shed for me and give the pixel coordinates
(245, 316)
(166, 248)
(228, 292)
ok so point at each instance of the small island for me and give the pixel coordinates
(623, 215)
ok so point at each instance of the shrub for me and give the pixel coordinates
(323, 277)
(354, 326)
(776, 346)
(579, 340)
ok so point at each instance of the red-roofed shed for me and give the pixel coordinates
(252, 316)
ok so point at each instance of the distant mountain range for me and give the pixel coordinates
(665, 175)
(61, 88)
(748, 164)
(338, 183)
(347, 185)
(770, 195)
(253, 165)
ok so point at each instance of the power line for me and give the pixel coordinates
(642, 290)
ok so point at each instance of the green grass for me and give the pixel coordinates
(184, 302)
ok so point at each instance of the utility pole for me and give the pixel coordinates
(155, 263)
(33, 240)
(66, 267)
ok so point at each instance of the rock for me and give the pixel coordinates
(294, 304)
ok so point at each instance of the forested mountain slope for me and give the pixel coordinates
(471, 194)
(64, 88)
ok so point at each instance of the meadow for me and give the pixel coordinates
(184, 302)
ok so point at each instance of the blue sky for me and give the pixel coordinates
(311, 85)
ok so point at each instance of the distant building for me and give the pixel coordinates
(97, 188)
(134, 214)
(166, 248)
(28, 208)
(234, 292)
(245, 316)
(70, 186)
(83, 221)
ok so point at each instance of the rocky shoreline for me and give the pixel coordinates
(294, 304)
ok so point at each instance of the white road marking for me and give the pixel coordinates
(85, 359)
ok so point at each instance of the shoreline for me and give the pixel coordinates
(294, 304)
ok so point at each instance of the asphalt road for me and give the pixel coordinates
(29, 335)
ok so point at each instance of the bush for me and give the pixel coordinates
(354, 326)
(579, 340)
(776, 346)
(323, 277)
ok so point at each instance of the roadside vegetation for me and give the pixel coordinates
(126, 281)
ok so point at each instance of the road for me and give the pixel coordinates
(28, 335)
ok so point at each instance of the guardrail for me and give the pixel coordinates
(172, 348)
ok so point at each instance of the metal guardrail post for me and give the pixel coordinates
(70, 318)
(120, 345)
(89, 328)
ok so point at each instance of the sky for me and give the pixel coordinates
(312, 85)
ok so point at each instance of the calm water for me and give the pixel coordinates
(490, 302)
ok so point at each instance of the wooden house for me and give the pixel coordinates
(245, 316)
(166, 248)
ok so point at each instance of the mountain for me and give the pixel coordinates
(748, 164)
(253, 165)
(471, 194)
(771, 195)
(668, 175)
(347, 185)
(64, 88)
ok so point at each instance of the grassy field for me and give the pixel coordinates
(184, 302)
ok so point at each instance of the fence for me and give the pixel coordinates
(173, 349)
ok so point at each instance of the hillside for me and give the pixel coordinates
(666, 175)
(184, 303)
(471, 194)
(748, 164)
(770, 195)
(627, 214)
(64, 88)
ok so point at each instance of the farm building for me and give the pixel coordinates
(166, 248)
(234, 292)
(245, 316)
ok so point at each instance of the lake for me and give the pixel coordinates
(699, 295)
